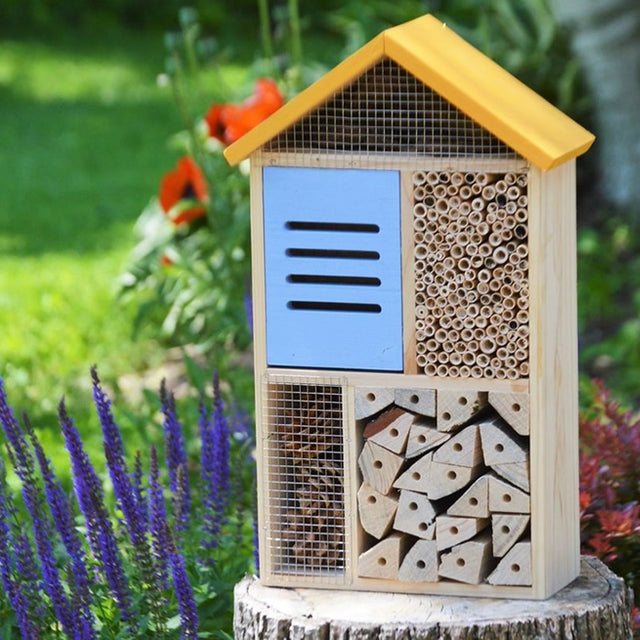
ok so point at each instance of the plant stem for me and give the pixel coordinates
(265, 30)
(296, 41)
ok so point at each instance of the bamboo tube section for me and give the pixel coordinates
(470, 248)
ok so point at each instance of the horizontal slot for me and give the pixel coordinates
(350, 254)
(363, 281)
(302, 225)
(357, 307)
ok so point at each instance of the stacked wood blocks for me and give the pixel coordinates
(445, 486)
(470, 258)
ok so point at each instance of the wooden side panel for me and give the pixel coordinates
(408, 277)
(553, 379)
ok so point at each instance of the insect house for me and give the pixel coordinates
(414, 285)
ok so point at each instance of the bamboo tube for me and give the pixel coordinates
(494, 285)
(440, 336)
(510, 178)
(473, 310)
(457, 178)
(523, 265)
(496, 363)
(432, 345)
(489, 192)
(510, 223)
(522, 302)
(485, 299)
(420, 251)
(497, 226)
(520, 231)
(453, 336)
(420, 337)
(492, 208)
(454, 203)
(521, 215)
(419, 177)
(522, 251)
(420, 285)
(421, 348)
(494, 239)
(456, 324)
(487, 345)
(501, 199)
(476, 259)
(421, 361)
(449, 312)
(420, 324)
(420, 298)
(473, 346)
(448, 347)
(432, 178)
(465, 192)
(492, 331)
(429, 200)
(469, 358)
(501, 373)
(478, 204)
(440, 191)
(523, 331)
(430, 369)
(484, 250)
(476, 189)
(419, 210)
(524, 369)
(452, 190)
(511, 362)
(476, 372)
(520, 355)
(483, 228)
(465, 371)
(436, 312)
(442, 205)
(522, 316)
(464, 208)
(469, 177)
(419, 193)
(522, 201)
(509, 305)
(442, 371)
(432, 216)
(421, 311)
(492, 217)
(444, 177)
(466, 334)
(482, 288)
(513, 193)
(501, 340)
(432, 290)
(449, 263)
(511, 208)
(483, 360)
(475, 217)
(420, 266)
(468, 322)
(443, 358)
(512, 374)
(500, 255)
(502, 353)
(501, 186)
(463, 262)
(486, 178)
(432, 358)
(419, 224)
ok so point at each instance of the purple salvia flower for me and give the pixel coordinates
(184, 592)
(63, 519)
(158, 520)
(123, 487)
(34, 502)
(18, 597)
(99, 528)
(176, 457)
(214, 434)
(43, 535)
(30, 581)
(139, 488)
(20, 454)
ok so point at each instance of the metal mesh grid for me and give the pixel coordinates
(304, 456)
(471, 274)
(388, 110)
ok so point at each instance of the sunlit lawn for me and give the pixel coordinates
(84, 130)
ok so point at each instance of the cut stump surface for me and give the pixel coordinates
(595, 605)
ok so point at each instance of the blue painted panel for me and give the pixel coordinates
(325, 231)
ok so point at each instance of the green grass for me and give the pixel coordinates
(84, 130)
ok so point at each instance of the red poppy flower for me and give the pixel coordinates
(229, 122)
(183, 192)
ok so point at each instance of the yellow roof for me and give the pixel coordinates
(461, 74)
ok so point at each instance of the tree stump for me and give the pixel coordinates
(595, 606)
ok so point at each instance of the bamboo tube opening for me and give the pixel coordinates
(442, 370)
(476, 189)
(465, 371)
(513, 193)
(465, 192)
(488, 192)
(468, 358)
(478, 204)
(419, 177)
(430, 369)
(522, 201)
(520, 231)
(476, 372)
(419, 210)
(419, 193)
(432, 178)
(440, 192)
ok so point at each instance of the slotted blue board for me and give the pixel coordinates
(333, 268)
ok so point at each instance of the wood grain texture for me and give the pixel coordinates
(474, 502)
(468, 562)
(423, 437)
(515, 567)
(421, 563)
(553, 378)
(513, 408)
(376, 511)
(372, 400)
(383, 559)
(415, 514)
(422, 401)
(379, 466)
(457, 407)
(505, 531)
(595, 606)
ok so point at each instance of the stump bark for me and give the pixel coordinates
(595, 606)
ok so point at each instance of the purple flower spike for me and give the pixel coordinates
(176, 456)
(99, 528)
(158, 520)
(184, 595)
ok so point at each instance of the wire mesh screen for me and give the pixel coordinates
(305, 500)
(388, 110)
(471, 271)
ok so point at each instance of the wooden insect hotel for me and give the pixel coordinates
(414, 276)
